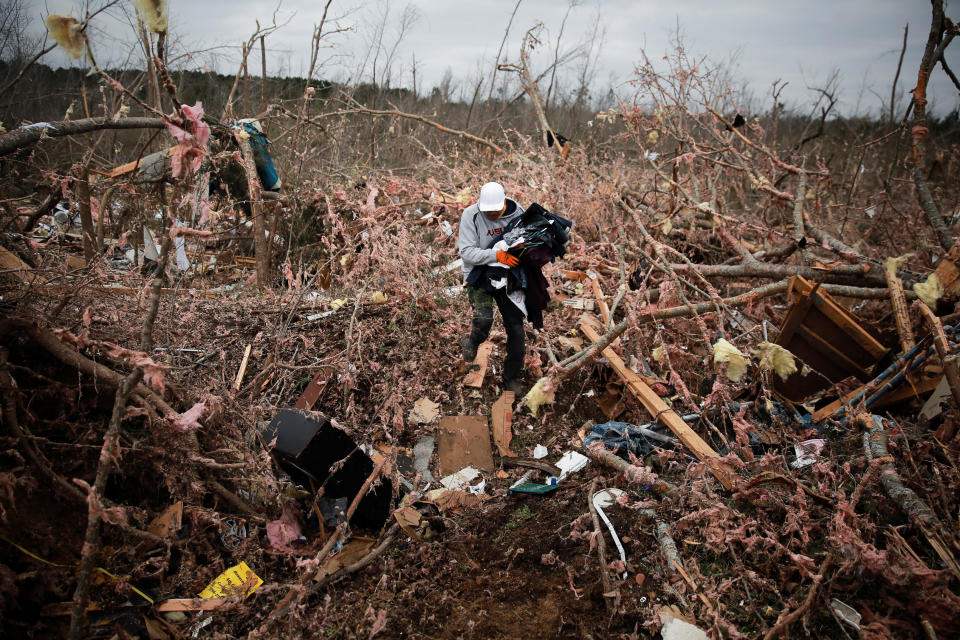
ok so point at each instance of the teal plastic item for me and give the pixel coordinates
(535, 488)
(259, 144)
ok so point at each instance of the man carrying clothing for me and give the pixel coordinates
(481, 229)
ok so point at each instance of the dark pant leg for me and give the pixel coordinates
(482, 303)
(516, 340)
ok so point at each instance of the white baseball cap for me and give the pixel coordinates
(492, 197)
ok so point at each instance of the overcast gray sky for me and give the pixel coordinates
(800, 42)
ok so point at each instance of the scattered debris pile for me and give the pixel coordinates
(236, 407)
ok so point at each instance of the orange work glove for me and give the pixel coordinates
(507, 259)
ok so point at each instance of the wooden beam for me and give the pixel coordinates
(501, 418)
(664, 414)
(598, 294)
(190, 604)
(243, 368)
(478, 369)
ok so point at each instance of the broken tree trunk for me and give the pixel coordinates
(86, 218)
(260, 246)
(936, 43)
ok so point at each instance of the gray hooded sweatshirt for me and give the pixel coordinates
(478, 234)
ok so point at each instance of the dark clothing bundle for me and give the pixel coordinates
(622, 439)
(544, 237)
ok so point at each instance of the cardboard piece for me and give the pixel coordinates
(424, 411)
(168, 522)
(932, 407)
(351, 553)
(478, 368)
(464, 441)
(501, 418)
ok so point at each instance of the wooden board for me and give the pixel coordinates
(463, 441)
(827, 338)
(478, 369)
(129, 167)
(664, 414)
(243, 367)
(314, 389)
(190, 604)
(601, 302)
(501, 418)
(840, 315)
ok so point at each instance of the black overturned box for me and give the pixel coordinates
(314, 452)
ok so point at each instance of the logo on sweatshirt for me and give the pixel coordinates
(494, 232)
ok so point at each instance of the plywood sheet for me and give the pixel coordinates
(464, 441)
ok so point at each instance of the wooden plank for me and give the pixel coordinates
(794, 319)
(908, 390)
(478, 369)
(243, 367)
(825, 347)
(501, 418)
(902, 392)
(190, 604)
(314, 389)
(130, 167)
(664, 414)
(598, 295)
(841, 316)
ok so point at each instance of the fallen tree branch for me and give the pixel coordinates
(916, 510)
(62, 352)
(601, 550)
(785, 621)
(95, 516)
(33, 133)
(359, 108)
